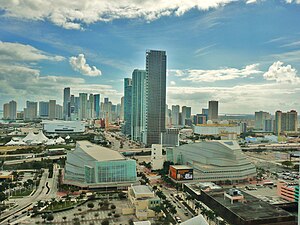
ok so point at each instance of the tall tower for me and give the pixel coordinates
(52, 109)
(97, 105)
(186, 114)
(137, 114)
(82, 110)
(213, 110)
(127, 105)
(66, 103)
(12, 110)
(155, 111)
(277, 127)
(175, 115)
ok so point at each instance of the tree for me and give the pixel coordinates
(50, 217)
(105, 222)
(44, 217)
(117, 215)
(90, 205)
(64, 218)
(3, 196)
(130, 221)
(112, 207)
(96, 215)
(287, 163)
(156, 209)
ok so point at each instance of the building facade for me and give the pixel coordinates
(213, 110)
(66, 103)
(127, 105)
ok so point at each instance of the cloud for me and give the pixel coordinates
(292, 1)
(282, 74)
(73, 14)
(79, 64)
(173, 83)
(18, 52)
(251, 1)
(216, 75)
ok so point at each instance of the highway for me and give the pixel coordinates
(18, 161)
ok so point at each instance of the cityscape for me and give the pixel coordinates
(140, 113)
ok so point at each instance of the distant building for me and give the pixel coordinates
(66, 103)
(44, 109)
(175, 115)
(155, 110)
(286, 122)
(216, 129)
(260, 118)
(63, 127)
(10, 110)
(288, 190)
(213, 110)
(186, 114)
(58, 112)
(82, 109)
(122, 109)
(97, 106)
(30, 112)
(199, 119)
(127, 105)
(52, 109)
(94, 166)
(6, 111)
(170, 138)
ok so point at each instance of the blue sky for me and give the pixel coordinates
(246, 54)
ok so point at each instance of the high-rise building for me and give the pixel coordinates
(127, 105)
(6, 111)
(12, 110)
(185, 114)
(155, 110)
(138, 99)
(82, 110)
(59, 112)
(122, 109)
(260, 118)
(106, 110)
(97, 105)
(52, 109)
(66, 103)
(90, 107)
(175, 115)
(292, 120)
(30, 112)
(213, 110)
(43, 109)
(286, 122)
(277, 127)
(199, 119)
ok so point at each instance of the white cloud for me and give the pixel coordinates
(79, 64)
(173, 83)
(251, 1)
(216, 75)
(72, 14)
(293, 1)
(18, 52)
(282, 74)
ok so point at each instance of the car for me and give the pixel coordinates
(186, 213)
(179, 206)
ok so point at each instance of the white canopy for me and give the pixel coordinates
(60, 140)
(30, 137)
(68, 137)
(50, 142)
(12, 142)
(41, 137)
(35, 142)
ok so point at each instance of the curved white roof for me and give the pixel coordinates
(50, 142)
(60, 140)
(41, 137)
(30, 137)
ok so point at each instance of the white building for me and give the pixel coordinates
(216, 129)
(157, 158)
(67, 127)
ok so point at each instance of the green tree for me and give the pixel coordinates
(287, 164)
(3, 196)
(90, 205)
(50, 217)
(105, 222)
(112, 207)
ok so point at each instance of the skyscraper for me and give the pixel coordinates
(260, 118)
(91, 107)
(58, 112)
(292, 120)
(137, 115)
(6, 111)
(12, 110)
(52, 109)
(156, 65)
(82, 110)
(30, 112)
(186, 114)
(97, 105)
(175, 115)
(286, 122)
(44, 109)
(213, 110)
(122, 109)
(127, 105)
(66, 103)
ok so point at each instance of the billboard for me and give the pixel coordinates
(181, 174)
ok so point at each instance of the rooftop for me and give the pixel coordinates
(142, 223)
(181, 167)
(98, 152)
(199, 220)
(141, 189)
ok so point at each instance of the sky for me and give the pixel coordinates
(245, 54)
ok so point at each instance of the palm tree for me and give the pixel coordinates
(96, 215)
(64, 218)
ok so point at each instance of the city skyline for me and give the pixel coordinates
(244, 54)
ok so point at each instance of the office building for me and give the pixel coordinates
(44, 109)
(286, 122)
(268, 125)
(199, 119)
(90, 107)
(66, 103)
(260, 118)
(155, 111)
(288, 190)
(137, 115)
(205, 112)
(185, 114)
(106, 110)
(94, 166)
(10, 110)
(30, 112)
(175, 115)
(213, 110)
(292, 121)
(63, 127)
(157, 158)
(215, 161)
(127, 106)
(52, 109)
(122, 109)
(97, 106)
(170, 137)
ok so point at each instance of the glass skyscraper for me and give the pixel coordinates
(127, 105)
(155, 111)
(97, 105)
(137, 115)
(66, 103)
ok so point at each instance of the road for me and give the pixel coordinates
(41, 194)
(11, 162)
